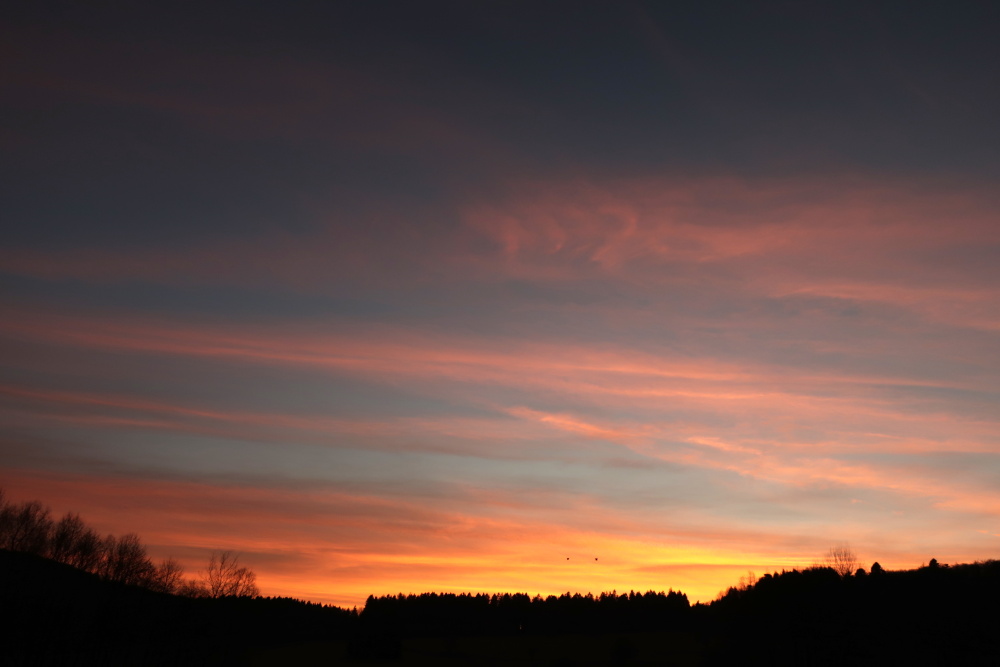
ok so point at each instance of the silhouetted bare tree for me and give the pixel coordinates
(25, 527)
(28, 527)
(748, 581)
(167, 577)
(191, 588)
(125, 560)
(86, 552)
(226, 578)
(65, 536)
(843, 560)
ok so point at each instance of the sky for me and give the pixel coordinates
(505, 296)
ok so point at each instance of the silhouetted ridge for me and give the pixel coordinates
(60, 615)
(932, 615)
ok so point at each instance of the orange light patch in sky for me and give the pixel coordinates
(280, 542)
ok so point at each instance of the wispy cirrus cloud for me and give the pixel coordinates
(839, 237)
(413, 301)
(757, 420)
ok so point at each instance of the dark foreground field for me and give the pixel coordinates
(604, 649)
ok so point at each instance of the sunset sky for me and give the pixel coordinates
(505, 296)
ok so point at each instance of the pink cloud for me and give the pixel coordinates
(761, 403)
(839, 237)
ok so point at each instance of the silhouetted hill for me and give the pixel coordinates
(63, 616)
(930, 616)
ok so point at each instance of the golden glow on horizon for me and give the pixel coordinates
(505, 557)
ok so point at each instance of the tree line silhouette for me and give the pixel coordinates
(28, 527)
(515, 613)
(82, 599)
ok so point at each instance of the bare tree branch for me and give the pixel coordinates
(843, 560)
(226, 578)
